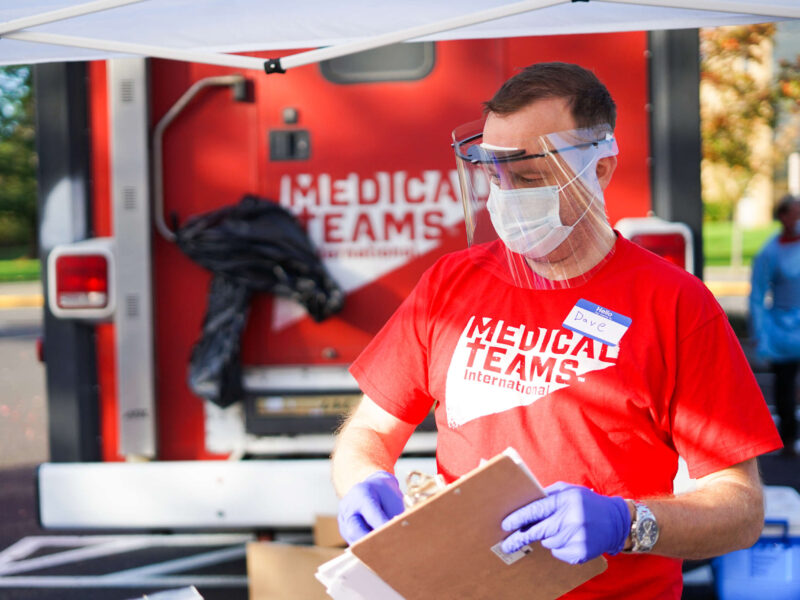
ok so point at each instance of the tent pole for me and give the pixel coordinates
(768, 10)
(61, 14)
(211, 58)
(314, 56)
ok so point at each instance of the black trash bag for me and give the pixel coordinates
(254, 246)
(215, 368)
(261, 245)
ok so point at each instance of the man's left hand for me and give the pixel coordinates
(574, 522)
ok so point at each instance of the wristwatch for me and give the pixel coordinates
(644, 529)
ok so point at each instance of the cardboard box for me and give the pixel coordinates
(286, 572)
(326, 532)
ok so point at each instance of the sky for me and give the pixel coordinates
(787, 40)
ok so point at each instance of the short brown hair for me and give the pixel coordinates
(588, 99)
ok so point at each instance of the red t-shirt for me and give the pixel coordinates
(502, 370)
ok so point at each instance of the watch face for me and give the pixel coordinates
(648, 532)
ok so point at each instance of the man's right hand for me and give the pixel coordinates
(368, 505)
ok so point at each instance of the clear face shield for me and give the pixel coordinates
(535, 215)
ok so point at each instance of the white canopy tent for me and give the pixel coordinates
(208, 30)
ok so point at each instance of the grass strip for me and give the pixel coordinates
(20, 269)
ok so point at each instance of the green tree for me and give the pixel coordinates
(18, 152)
(787, 100)
(741, 99)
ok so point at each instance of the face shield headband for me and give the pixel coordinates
(544, 202)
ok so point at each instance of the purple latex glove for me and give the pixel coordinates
(368, 505)
(575, 523)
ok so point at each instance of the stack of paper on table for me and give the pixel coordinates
(448, 546)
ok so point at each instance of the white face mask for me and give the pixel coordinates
(528, 219)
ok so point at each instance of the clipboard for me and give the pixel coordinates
(448, 545)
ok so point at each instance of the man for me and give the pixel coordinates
(776, 328)
(597, 361)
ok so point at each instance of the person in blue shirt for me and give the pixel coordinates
(775, 313)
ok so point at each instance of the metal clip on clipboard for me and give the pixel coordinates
(420, 486)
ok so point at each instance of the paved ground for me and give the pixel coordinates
(23, 411)
(23, 419)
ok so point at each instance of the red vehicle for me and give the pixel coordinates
(358, 149)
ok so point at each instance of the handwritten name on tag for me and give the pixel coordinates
(597, 322)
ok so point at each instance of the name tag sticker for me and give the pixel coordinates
(596, 322)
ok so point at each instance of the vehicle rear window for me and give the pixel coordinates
(397, 62)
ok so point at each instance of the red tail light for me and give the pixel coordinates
(671, 246)
(81, 281)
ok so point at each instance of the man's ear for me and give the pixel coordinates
(605, 169)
